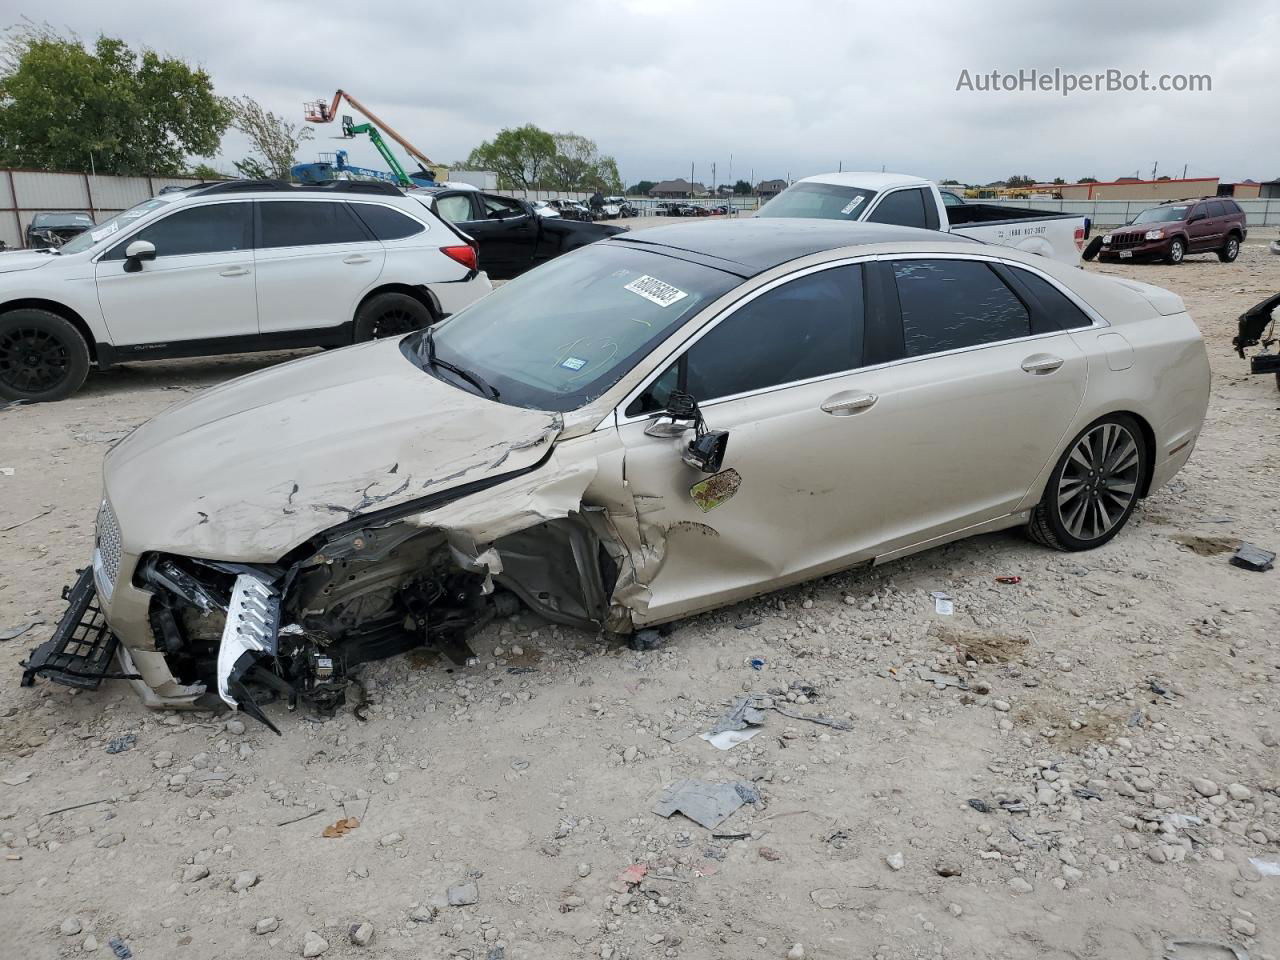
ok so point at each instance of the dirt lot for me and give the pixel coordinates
(1100, 690)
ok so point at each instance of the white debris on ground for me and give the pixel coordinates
(1082, 764)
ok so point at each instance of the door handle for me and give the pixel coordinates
(1042, 363)
(356, 258)
(843, 406)
(234, 272)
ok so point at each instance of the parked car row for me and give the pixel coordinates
(683, 208)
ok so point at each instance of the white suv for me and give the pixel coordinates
(227, 268)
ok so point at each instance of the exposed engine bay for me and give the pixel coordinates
(297, 631)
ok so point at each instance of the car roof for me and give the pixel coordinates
(868, 180)
(751, 246)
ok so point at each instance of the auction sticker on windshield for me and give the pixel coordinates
(655, 291)
(851, 206)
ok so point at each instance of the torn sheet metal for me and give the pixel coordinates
(706, 804)
(742, 722)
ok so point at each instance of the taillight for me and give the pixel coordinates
(1080, 235)
(464, 253)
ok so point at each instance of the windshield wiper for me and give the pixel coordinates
(474, 378)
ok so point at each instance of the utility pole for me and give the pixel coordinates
(691, 178)
(1184, 171)
(1153, 169)
(841, 168)
(731, 168)
(713, 177)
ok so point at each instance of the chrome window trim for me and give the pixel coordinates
(622, 418)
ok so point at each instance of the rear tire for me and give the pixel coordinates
(1094, 488)
(43, 357)
(1230, 250)
(390, 315)
(1177, 251)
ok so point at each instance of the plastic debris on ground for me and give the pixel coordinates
(121, 744)
(743, 721)
(120, 948)
(1009, 579)
(13, 633)
(629, 878)
(941, 679)
(942, 603)
(757, 663)
(1250, 557)
(1268, 868)
(706, 804)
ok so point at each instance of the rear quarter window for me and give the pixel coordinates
(385, 223)
(1058, 310)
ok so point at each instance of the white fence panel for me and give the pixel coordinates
(118, 193)
(50, 191)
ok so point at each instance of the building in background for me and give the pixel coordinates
(678, 189)
(1131, 188)
(767, 189)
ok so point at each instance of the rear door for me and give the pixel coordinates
(1216, 218)
(200, 285)
(315, 261)
(979, 398)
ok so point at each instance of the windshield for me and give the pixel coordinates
(117, 223)
(1162, 215)
(823, 201)
(562, 334)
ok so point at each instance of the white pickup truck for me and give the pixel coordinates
(916, 202)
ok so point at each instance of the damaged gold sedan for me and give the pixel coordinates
(661, 423)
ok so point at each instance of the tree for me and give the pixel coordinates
(640, 188)
(203, 171)
(251, 168)
(1019, 180)
(742, 188)
(578, 165)
(275, 140)
(64, 106)
(949, 183)
(1058, 180)
(518, 155)
(1087, 180)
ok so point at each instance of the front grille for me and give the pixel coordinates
(108, 542)
(1120, 241)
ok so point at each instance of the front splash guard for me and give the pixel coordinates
(82, 648)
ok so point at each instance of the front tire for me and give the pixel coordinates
(43, 357)
(1177, 250)
(1094, 488)
(390, 315)
(1230, 250)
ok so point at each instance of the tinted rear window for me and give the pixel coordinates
(951, 304)
(902, 207)
(1216, 209)
(385, 223)
(303, 223)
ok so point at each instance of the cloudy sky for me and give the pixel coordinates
(766, 88)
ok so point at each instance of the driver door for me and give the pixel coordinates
(778, 509)
(507, 233)
(201, 285)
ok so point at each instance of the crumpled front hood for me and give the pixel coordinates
(14, 260)
(250, 469)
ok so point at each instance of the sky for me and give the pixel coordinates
(761, 89)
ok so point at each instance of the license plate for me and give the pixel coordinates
(1125, 253)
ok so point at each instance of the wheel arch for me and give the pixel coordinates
(61, 310)
(1148, 439)
(420, 293)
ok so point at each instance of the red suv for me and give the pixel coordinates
(1172, 230)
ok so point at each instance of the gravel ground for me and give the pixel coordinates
(1099, 783)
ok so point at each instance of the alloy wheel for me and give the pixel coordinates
(32, 360)
(1233, 248)
(393, 323)
(1099, 481)
(1176, 252)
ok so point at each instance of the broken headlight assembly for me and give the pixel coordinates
(1257, 326)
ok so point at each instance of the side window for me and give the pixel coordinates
(1216, 209)
(212, 228)
(949, 304)
(1232, 206)
(502, 205)
(903, 207)
(1060, 312)
(455, 209)
(385, 223)
(303, 223)
(809, 327)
